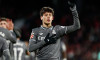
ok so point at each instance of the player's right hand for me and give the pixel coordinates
(50, 39)
(10, 24)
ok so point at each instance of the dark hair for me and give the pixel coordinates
(17, 32)
(46, 9)
(3, 19)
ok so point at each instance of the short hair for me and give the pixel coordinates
(46, 9)
(17, 32)
(3, 19)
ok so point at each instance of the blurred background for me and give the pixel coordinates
(83, 44)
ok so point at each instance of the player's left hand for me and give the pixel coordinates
(72, 6)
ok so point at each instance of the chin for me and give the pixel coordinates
(47, 23)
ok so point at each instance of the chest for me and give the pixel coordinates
(43, 33)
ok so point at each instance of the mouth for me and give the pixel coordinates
(48, 20)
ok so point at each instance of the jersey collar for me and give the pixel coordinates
(47, 28)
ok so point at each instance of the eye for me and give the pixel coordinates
(46, 14)
(49, 14)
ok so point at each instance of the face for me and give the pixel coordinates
(3, 24)
(47, 18)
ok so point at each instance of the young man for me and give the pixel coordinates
(6, 29)
(45, 40)
(9, 35)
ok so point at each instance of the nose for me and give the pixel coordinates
(48, 16)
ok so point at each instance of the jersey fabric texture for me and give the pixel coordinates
(51, 51)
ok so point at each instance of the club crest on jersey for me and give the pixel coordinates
(32, 35)
(53, 32)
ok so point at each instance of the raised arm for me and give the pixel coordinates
(76, 24)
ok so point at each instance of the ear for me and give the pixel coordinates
(41, 17)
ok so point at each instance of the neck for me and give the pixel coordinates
(18, 38)
(46, 25)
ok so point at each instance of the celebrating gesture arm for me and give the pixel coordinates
(76, 24)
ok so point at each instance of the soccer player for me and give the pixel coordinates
(5, 35)
(20, 49)
(5, 32)
(9, 36)
(45, 40)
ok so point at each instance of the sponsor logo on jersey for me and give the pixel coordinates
(41, 38)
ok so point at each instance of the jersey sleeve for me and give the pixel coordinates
(67, 29)
(4, 47)
(61, 30)
(33, 44)
(76, 24)
(11, 36)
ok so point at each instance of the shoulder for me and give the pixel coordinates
(3, 29)
(22, 42)
(36, 29)
(57, 26)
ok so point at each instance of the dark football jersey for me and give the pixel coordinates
(50, 51)
(19, 50)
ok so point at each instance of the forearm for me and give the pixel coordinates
(12, 37)
(76, 24)
(7, 54)
(35, 46)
